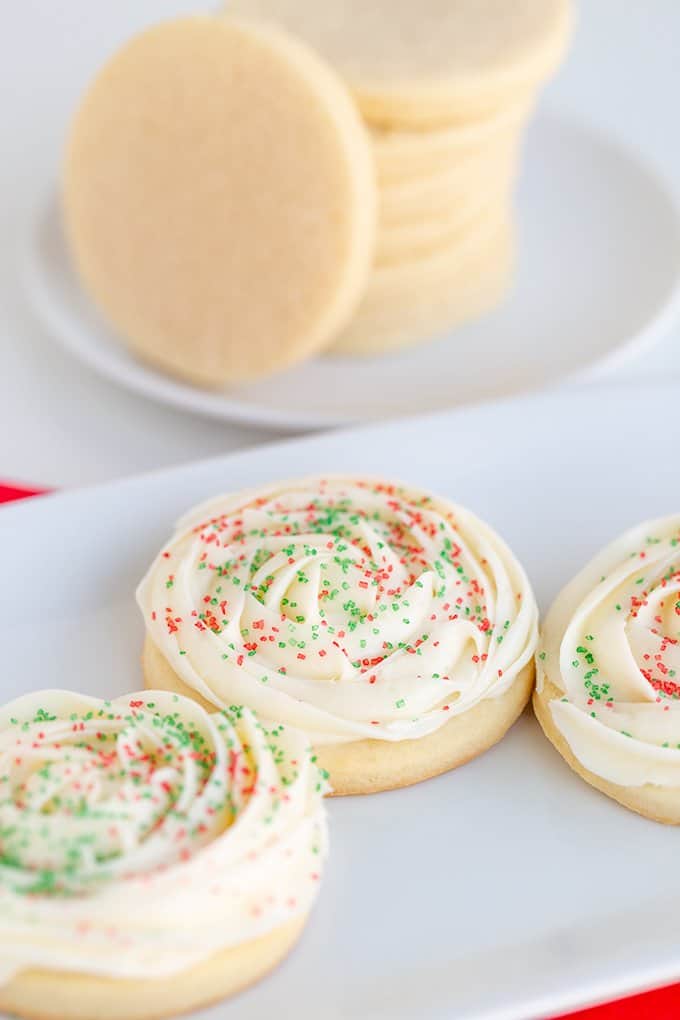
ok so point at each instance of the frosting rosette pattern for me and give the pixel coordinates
(610, 649)
(141, 836)
(351, 608)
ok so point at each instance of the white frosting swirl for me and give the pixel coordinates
(141, 836)
(610, 643)
(350, 608)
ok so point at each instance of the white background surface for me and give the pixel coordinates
(63, 426)
(504, 890)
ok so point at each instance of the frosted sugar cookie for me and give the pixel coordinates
(430, 63)
(608, 689)
(393, 627)
(153, 857)
(219, 199)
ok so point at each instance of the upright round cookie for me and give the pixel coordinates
(608, 688)
(429, 63)
(154, 857)
(219, 198)
(393, 627)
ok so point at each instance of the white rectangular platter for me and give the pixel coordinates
(506, 889)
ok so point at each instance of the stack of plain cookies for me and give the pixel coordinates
(445, 89)
(247, 189)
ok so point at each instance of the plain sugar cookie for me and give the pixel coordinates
(465, 186)
(403, 154)
(391, 626)
(425, 274)
(420, 238)
(404, 308)
(429, 63)
(219, 199)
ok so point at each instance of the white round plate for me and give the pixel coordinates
(598, 279)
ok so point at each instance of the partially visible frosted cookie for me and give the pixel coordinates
(219, 198)
(154, 857)
(608, 671)
(429, 63)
